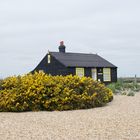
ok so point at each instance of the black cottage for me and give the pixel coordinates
(90, 65)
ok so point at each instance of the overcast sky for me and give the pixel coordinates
(29, 28)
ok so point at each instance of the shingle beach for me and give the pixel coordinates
(118, 120)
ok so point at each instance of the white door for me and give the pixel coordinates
(94, 73)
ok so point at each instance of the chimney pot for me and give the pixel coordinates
(61, 43)
(62, 47)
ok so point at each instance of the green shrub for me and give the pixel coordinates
(38, 91)
(116, 87)
(131, 93)
(120, 87)
(136, 89)
(123, 93)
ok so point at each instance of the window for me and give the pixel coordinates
(41, 71)
(107, 74)
(80, 72)
(49, 58)
(94, 73)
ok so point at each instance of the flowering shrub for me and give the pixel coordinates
(38, 91)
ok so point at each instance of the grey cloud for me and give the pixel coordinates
(29, 28)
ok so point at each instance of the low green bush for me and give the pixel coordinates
(116, 87)
(38, 91)
(121, 87)
(131, 93)
(123, 93)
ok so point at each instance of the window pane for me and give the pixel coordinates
(80, 72)
(49, 58)
(94, 73)
(107, 74)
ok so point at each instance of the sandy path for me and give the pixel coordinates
(119, 120)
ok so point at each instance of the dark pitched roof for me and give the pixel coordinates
(81, 60)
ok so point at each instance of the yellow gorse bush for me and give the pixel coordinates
(38, 91)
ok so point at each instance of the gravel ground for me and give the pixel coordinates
(119, 120)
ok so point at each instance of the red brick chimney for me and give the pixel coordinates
(62, 43)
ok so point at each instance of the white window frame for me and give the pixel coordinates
(80, 72)
(49, 58)
(107, 74)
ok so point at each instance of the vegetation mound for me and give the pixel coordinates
(125, 87)
(38, 91)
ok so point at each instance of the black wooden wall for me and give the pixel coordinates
(71, 70)
(113, 74)
(53, 68)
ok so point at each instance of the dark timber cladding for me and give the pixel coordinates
(90, 65)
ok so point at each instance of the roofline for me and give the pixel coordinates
(89, 67)
(57, 59)
(113, 66)
(107, 61)
(76, 53)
